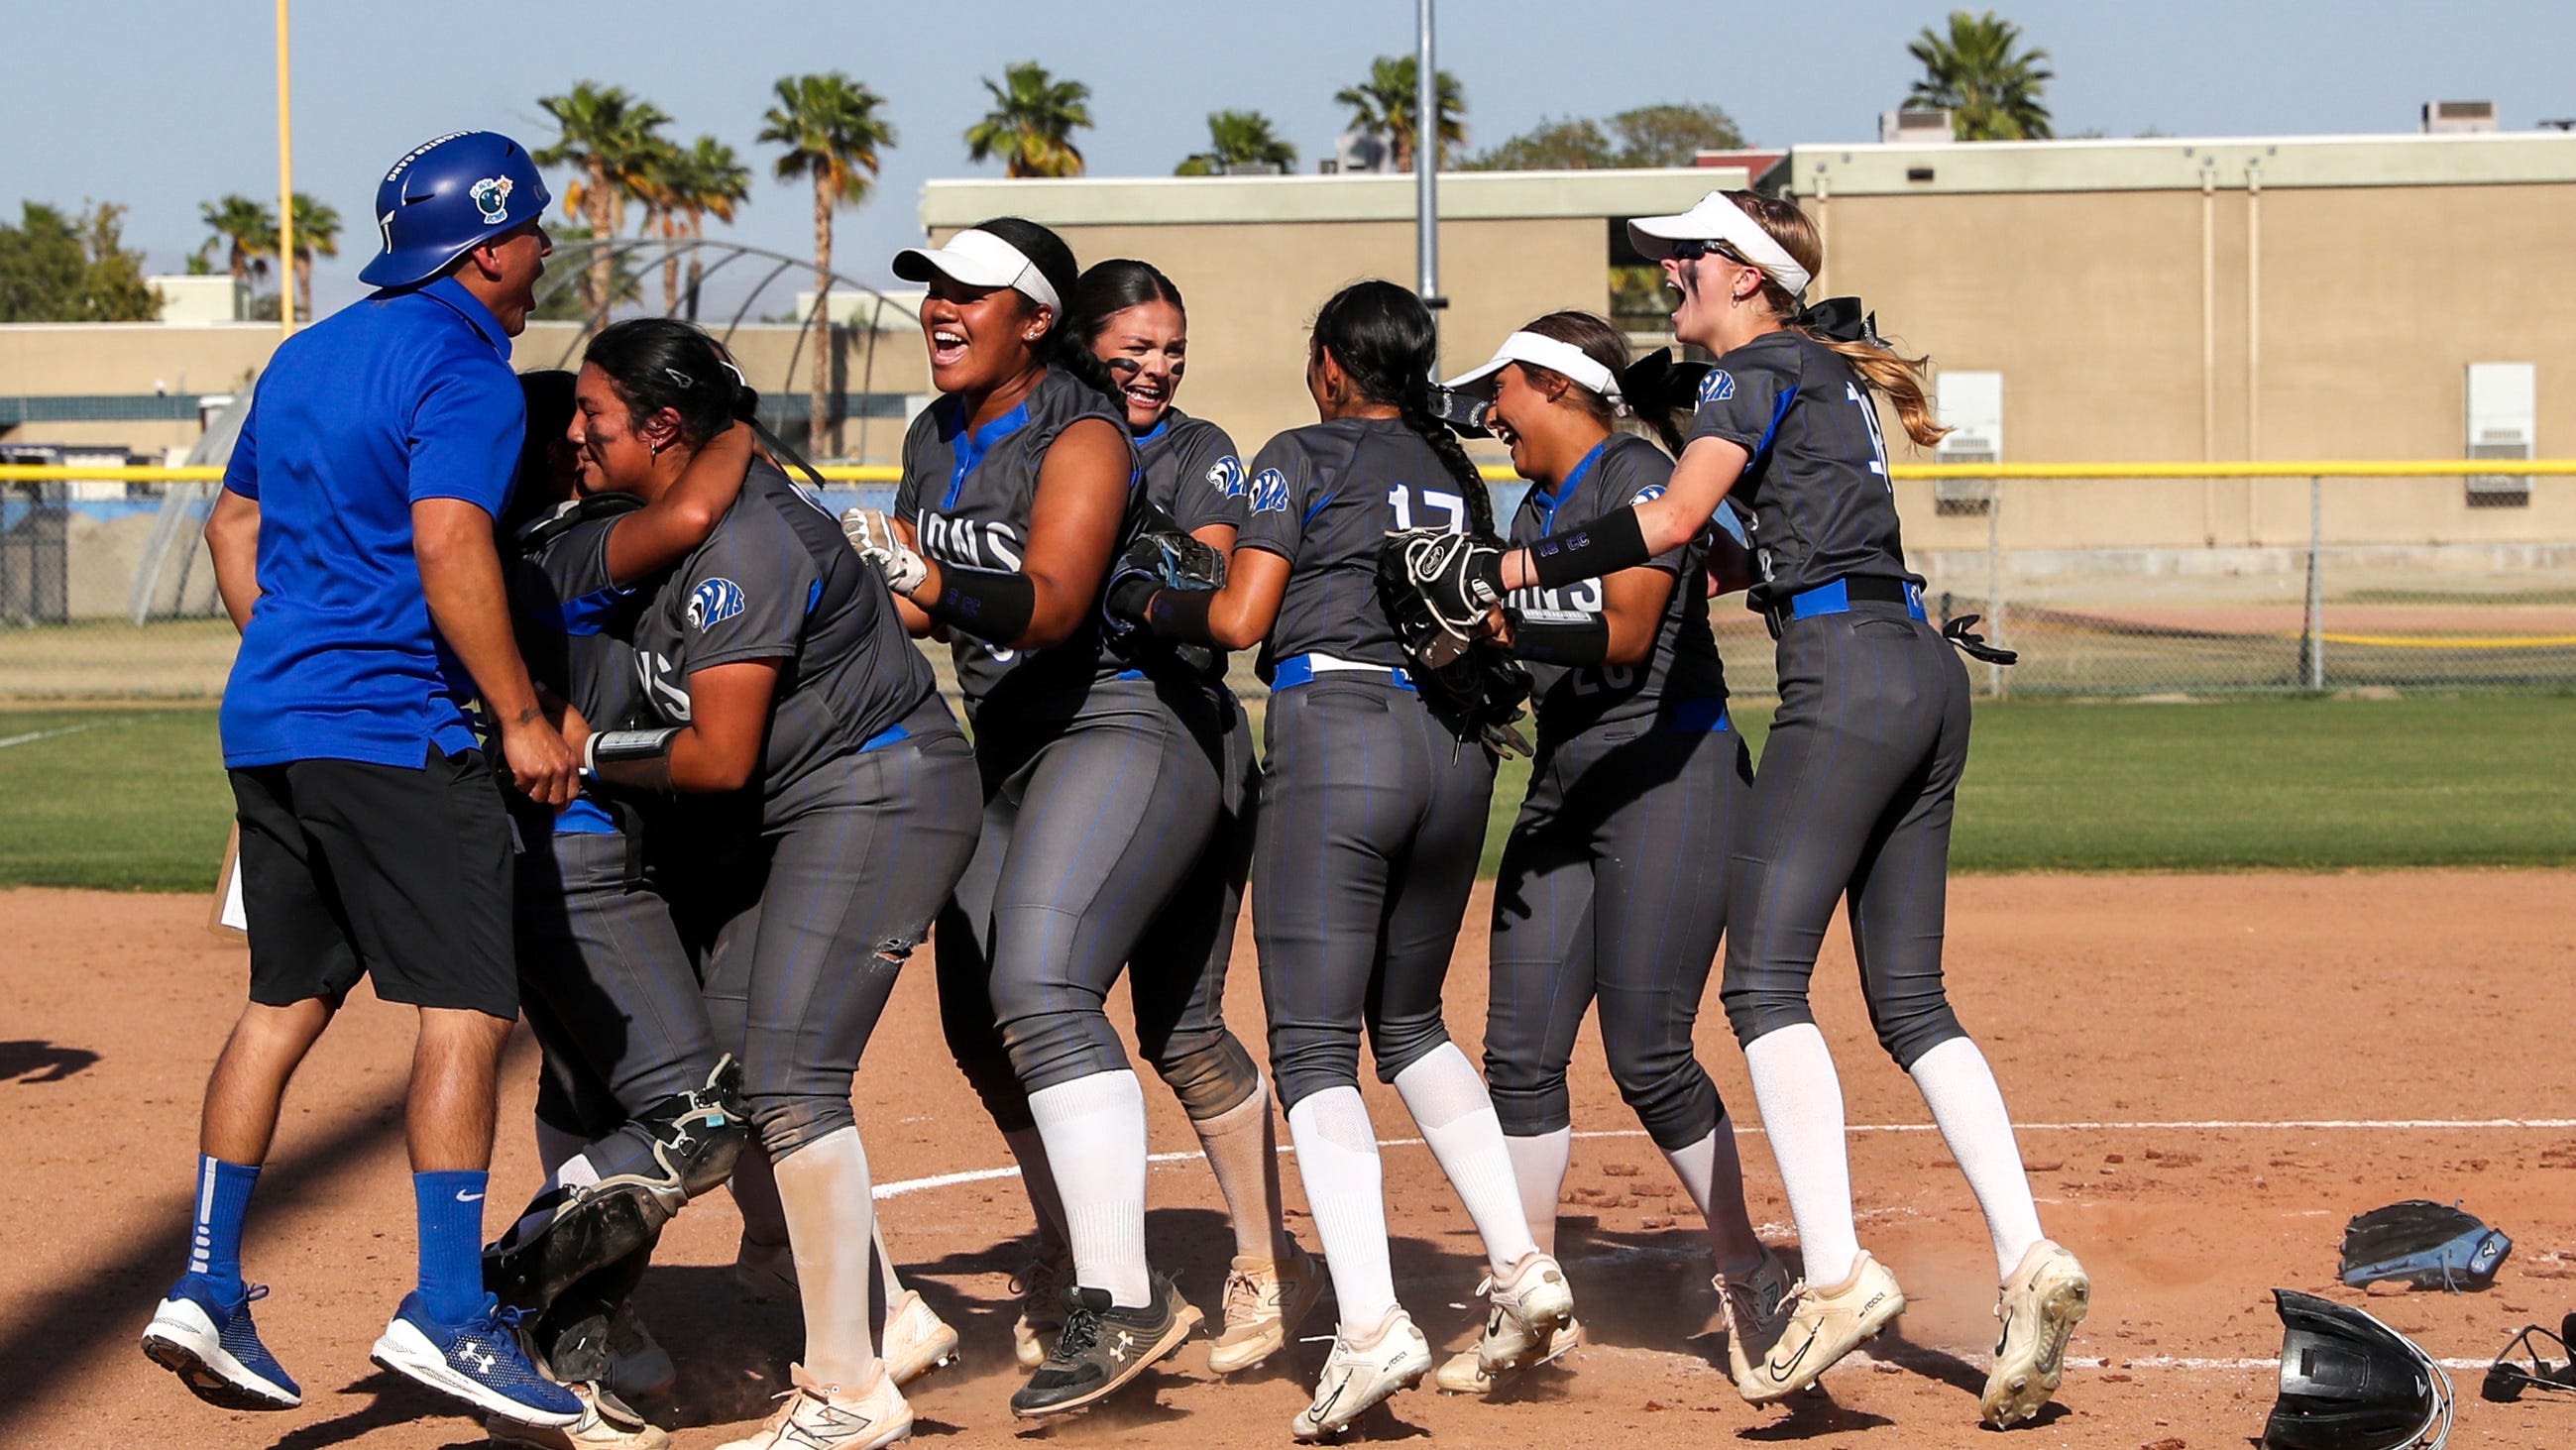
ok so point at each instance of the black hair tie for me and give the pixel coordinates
(1840, 319)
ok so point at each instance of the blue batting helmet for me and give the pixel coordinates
(447, 196)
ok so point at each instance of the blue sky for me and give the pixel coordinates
(161, 105)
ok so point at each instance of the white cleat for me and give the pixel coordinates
(1530, 1304)
(2043, 1301)
(1464, 1373)
(916, 1340)
(1824, 1325)
(817, 1416)
(1359, 1376)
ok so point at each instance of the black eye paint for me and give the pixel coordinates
(1125, 367)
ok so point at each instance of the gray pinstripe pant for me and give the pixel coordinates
(1613, 888)
(1372, 820)
(1853, 802)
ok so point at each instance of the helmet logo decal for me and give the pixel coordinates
(492, 197)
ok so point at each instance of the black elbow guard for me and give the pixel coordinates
(993, 605)
(1600, 548)
(1559, 636)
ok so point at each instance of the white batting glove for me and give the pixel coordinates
(874, 538)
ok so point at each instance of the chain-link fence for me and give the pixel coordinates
(2108, 585)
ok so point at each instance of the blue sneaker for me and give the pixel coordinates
(214, 1349)
(480, 1362)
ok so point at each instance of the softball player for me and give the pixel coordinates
(1099, 772)
(1612, 885)
(1858, 782)
(1133, 319)
(1372, 819)
(634, 1116)
(353, 545)
(828, 809)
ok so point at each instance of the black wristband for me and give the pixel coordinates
(1181, 616)
(993, 605)
(1128, 596)
(1560, 636)
(616, 747)
(1598, 549)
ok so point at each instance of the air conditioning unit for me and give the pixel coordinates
(1916, 126)
(2503, 416)
(2443, 117)
(1362, 151)
(1971, 405)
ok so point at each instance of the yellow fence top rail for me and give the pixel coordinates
(2285, 468)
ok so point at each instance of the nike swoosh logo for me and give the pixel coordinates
(1781, 1375)
(464, 1197)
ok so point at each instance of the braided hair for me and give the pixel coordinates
(1385, 340)
(1064, 346)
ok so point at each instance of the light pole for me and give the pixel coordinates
(285, 191)
(1426, 162)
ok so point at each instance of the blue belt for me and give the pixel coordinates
(883, 738)
(1297, 670)
(1837, 597)
(1695, 717)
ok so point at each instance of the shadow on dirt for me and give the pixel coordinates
(31, 1061)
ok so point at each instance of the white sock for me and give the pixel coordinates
(1028, 1149)
(1457, 1119)
(887, 1279)
(1242, 1147)
(1960, 1090)
(1095, 1142)
(1714, 1178)
(1345, 1190)
(1801, 1097)
(572, 1172)
(554, 1145)
(824, 1189)
(1538, 1166)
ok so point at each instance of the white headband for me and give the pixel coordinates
(1718, 219)
(979, 259)
(1577, 366)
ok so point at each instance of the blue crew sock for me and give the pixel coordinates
(451, 1243)
(223, 1202)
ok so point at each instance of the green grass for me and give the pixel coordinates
(2282, 784)
(125, 799)
(134, 799)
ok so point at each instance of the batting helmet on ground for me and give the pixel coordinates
(447, 196)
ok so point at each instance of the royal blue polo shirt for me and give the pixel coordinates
(405, 396)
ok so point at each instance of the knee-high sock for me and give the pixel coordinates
(1538, 1166)
(1095, 1141)
(755, 1192)
(887, 1278)
(1346, 1191)
(1801, 1097)
(1960, 1089)
(1028, 1150)
(824, 1189)
(1714, 1178)
(1448, 1101)
(1242, 1145)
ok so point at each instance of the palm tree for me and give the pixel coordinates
(1385, 104)
(661, 181)
(1032, 123)
(1239, 138)
(607, 137)
(717, 184)
(244, 230)
(317, 234)
(1991, 91)
(833, 135)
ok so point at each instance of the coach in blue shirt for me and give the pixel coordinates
(353, 544)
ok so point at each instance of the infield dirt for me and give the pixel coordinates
(2213, 1074)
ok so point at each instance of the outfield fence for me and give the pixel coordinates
(2110, 579)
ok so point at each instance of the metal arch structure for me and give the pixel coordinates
(572, 261)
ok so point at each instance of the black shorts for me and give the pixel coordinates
(402, 875)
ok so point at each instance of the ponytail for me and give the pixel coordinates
(1879, 366)
(1899, 377)
(1415, 413)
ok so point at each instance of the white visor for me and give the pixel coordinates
(1563, 358)
(979, 259)
(1716, 219)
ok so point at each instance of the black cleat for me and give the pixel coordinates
(1101, 1348)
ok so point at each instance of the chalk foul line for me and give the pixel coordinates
(33, 736)
(905, 1186)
